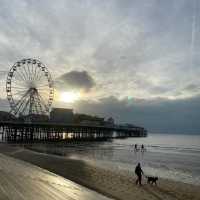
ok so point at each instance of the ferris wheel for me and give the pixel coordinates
(29, 88)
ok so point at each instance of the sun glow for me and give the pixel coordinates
(69, 97)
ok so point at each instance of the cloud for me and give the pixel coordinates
(75, 80)
(116, 41)
(133, 48)
(157, 115)
(192, 87)
(3, 74)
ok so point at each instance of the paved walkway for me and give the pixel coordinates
(20, 180)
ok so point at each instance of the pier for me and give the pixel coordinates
(29, 132)
(31, 117)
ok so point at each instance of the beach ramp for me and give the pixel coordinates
(20, 180)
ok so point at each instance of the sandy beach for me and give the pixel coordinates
(110, 183)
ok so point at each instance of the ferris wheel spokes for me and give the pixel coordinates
(32, 86)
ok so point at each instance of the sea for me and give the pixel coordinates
(170, 156)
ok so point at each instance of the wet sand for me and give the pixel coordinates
(110, 183)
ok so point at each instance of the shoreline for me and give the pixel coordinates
(110, 183)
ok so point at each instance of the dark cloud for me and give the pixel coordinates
(192, 87)
(157, 115)
(75, 80)
(160, 115)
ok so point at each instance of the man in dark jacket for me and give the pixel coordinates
(138, 172)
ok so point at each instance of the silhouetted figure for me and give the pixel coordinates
(138, 172)
(142, 147)
(135, 147)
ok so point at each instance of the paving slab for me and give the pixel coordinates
(20, 180)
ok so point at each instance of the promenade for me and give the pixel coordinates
(20, 180)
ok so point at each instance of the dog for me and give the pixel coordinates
(152, 179)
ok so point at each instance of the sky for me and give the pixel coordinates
(135, 60)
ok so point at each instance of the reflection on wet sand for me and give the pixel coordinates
(90, 150)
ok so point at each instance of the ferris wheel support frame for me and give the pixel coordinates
(27, 77)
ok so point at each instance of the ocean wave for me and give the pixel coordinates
(174, 149)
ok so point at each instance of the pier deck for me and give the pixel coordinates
(28, 132)
(20, 180)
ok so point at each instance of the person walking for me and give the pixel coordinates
(142, 148)
(135, 148)
(138, 172)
